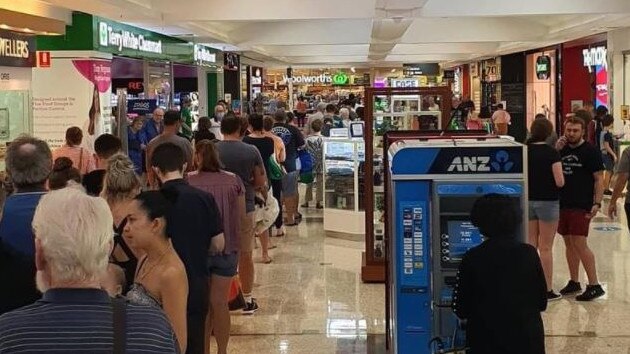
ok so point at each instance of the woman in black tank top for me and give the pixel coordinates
(120, 186)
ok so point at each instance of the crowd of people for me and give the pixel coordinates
(166, 226)
(566, 187)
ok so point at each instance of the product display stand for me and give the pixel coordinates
(391, 109)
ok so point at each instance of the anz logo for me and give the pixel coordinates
(500, 162)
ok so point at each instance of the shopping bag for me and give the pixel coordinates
(276, 171)
(266, 214)
(236, 300)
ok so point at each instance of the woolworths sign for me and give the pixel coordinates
(339, 78)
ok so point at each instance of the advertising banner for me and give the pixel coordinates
(72, 92)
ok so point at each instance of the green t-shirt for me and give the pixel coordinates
(188, 119)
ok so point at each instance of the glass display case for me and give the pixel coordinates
(343, 201)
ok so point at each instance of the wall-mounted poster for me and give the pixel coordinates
(72, 92)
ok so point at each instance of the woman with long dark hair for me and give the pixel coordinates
(228, 191)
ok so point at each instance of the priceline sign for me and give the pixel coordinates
(597, 56)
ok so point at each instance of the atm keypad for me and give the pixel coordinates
(413, 244)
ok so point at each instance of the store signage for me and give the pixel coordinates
(543, 67)
(448, 74)
(306, 79)
(203, 55)
(429, 69)
(340, 78)
(404, 83)
(141, 106)
(231, 61)
(16, 49)
(597, 56)
(109, 36)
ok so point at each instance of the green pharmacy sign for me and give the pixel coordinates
(340, 78)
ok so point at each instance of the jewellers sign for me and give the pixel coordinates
(596, 56)
(17, 49)
(110, 36)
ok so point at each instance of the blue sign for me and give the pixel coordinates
(141, 106)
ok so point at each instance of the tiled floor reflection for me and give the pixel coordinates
(313, 301)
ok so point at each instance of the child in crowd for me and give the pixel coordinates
(114, 280)
(606, 145)
(315, 147)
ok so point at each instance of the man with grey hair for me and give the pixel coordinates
(152, 127)
(28, 164)
(215, 121)
(321, 110)
(73, 239)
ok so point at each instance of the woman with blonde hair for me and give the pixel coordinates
(120, 186)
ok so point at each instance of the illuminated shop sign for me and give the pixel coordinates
(120, 39)
(597, 56)
(16, 49)
(203, 55)
(404, 83)
(340, 78)
(306, 79)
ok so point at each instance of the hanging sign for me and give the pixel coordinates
(597, 56)
(17, 49)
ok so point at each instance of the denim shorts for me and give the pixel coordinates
(609, 163)
(544, 210)
(223, 265)
(290, 184)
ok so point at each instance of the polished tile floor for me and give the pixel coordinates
(313, 301)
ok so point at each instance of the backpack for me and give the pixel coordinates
(306, 161)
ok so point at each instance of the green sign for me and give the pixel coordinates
(340, 78)
(89, 32)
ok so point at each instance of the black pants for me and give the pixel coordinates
(301, 119)
(196, 314)
(626, 207)
(277, 193)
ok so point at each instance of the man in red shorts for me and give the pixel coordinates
(580, 200)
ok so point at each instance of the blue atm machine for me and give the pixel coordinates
(434, 183)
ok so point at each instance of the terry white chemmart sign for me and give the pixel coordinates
(121, 39)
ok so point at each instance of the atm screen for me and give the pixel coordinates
(463, 235)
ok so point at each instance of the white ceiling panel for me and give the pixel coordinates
(358, 32)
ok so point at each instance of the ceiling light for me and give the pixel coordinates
(393, 70)
(26, 29)
(353, 69)
(4, 26)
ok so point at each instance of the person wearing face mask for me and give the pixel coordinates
(215, 122)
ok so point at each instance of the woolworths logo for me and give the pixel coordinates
(340, 78)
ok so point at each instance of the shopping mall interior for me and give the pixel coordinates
(427, 176)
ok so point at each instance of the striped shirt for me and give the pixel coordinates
(81, 321)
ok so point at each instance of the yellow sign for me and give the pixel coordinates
(625, 112)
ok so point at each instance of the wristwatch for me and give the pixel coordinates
(599, 205)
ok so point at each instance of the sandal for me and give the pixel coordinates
(267, 261)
